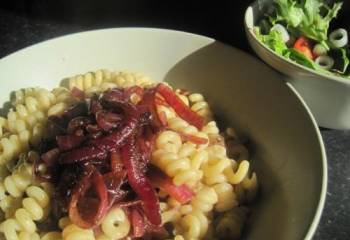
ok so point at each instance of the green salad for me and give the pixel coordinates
(298, 30)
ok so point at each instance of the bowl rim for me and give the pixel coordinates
(250, 31)
(314, 222)
(108, 29)
(321, 204)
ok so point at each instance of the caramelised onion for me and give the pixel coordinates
(101, 156)
(138, 223)
(95, 105)
(79, 194)
(114, 97)
(180, 107)
(78, 110)
(182, 193)
(50, 157)
(149, 101)
(78, 123)
(76, 92)
(108, 120)
(69, 142)
(139, 183)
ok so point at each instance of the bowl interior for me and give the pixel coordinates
(287, 151)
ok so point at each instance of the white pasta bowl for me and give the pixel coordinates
(285, 144)
(328, 96)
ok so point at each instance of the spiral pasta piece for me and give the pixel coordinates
(179, 125)
(176, 167)
(9, 205)
(200, 106)
(22, 94)
(170, 215)
(214, 170)
(205, 199)
(31, 106)
(89, 80)
(197, 157)
(32, 210)
(11, 147)
(116, 224)
(237, 172)
(16, 183)
(166, 111)
(64, 222)
(37, 201)
(52, 236)
(102, 80)
(246, 191)
(169, 162)
(103, 237)
(179, 237)
(73, 232)
(226, 197)
(211, 128)
(128, 79)
(26, 124)
(169, 141)
(194, 225)
(11, 230)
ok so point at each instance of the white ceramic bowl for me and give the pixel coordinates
(287, 149)
(327, 96)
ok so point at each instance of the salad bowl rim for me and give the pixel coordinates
(249, 26)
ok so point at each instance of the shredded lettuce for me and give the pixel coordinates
(290, 11)
(273, 40)
(309, 18)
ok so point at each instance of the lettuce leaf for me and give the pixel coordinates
(309, 18)
(290, 11)
(273, 40)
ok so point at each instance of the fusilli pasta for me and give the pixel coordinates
(102, 80)
(214, 167)
(73, 232)
(200, 106)
(116, 224)
(16, 183)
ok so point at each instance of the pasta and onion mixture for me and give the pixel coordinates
(114, 155)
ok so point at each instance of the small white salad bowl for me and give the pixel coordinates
(328, 96)
(286, 147)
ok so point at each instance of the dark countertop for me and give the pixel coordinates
(24, 24)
